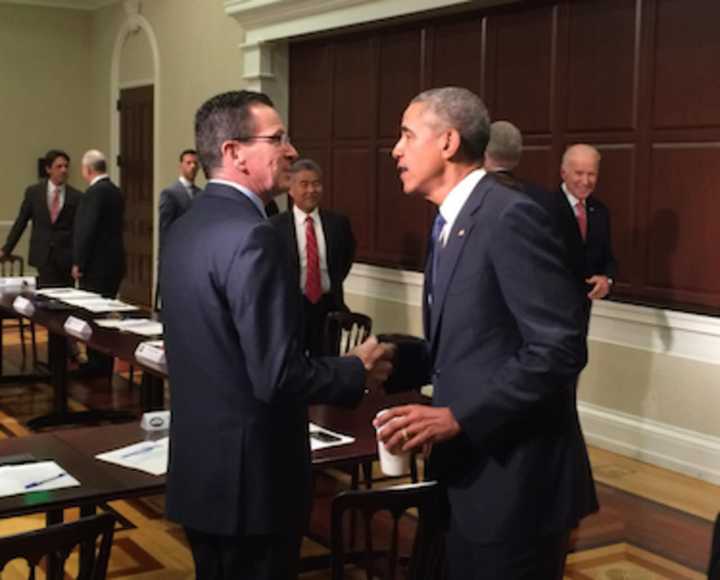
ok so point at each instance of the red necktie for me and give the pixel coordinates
(55, 205)
(581, 215)
(313, 288)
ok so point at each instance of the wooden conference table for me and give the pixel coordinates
(52, 315)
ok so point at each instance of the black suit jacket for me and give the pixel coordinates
(503, 348)
(45, 236)
(239, 453)
(585, 258)
(98, 248)
(174, 201)
(340, 244)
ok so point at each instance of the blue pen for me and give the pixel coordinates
(34, 484)
(138, 451)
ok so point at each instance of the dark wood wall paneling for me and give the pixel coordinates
(636, 78)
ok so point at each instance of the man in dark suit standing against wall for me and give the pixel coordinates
(239, 471)
(503, 347)
(583, 223)
(176, 199)
(321, 248)
(51, 206)
(99, 251)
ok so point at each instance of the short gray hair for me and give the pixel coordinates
(305, 165)
(580, 148)
(95, 161)
(461, 109)
(505, 145)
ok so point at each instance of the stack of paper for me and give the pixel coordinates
(17, 283)
(141, 326)
(66, 293)
(321, 438)
(148, 456)
(94, 304)
(40, 476)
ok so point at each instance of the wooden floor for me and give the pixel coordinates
(653, 524)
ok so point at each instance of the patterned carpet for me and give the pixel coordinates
(635, 536)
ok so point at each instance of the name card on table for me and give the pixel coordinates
(24, 306)
(17, 283)
(152, 353)
(78, 328)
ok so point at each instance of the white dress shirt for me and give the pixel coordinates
(51, 187)
(452, 205)
(572, 200)
(188, 186)
(300, 216)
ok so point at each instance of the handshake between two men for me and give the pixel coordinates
(405, 427)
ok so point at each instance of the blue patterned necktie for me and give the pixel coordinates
(437, 229)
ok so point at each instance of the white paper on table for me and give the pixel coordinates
(101, 304)
(29, 477)
(321, 438)
(148, 456)
(17, 282)
(141, 326)
(67, 293)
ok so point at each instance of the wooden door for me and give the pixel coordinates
(136, 181)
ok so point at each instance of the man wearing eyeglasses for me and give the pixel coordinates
(239, 471)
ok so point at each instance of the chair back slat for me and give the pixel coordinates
(12, 265)
(344, 331)
(56, 542)
(427, 559)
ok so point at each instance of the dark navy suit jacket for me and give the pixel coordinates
(503, 348)
(239, 453)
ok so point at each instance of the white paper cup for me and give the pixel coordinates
(390, 463)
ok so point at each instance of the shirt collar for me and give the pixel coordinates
(572, 200)
(185, 182)
(253, 197)
(51, 187)
(301, 216)
(98, 178)
(452, 204)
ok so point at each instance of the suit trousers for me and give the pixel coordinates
(54, 272)
(540, 558)
(258, 557)
(314, 323)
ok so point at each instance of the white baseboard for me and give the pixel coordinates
(689, 452)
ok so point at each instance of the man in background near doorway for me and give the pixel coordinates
(98, 250)
(50, 205)
(583, 223)
(321, 249)
(176, 199)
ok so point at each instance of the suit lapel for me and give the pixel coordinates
(450, 255)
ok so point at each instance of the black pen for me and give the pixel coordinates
(34, 484)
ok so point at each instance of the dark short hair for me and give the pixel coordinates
(53, 154)
(187, 152)
(305, 165)
(223, 117)
(460, 109)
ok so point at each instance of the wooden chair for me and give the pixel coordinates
(56, 542)
(344, 331)
(13, 265)
(427, 556)
(714, 565)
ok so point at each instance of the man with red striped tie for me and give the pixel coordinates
(321, 250)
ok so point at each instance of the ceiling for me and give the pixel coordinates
(74, 4)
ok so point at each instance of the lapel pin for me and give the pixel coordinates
(461, 233)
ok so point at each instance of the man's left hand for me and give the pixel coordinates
(75, 272)
(415, 426)
(601, 286)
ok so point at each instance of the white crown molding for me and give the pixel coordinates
(669, 332)
(67, 4)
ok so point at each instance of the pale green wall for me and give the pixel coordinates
(136, 63)
(45, 93)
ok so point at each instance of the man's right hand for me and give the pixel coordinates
(377, 359)
(75, 272)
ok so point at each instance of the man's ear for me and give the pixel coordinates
(451, 144)
(234, 154)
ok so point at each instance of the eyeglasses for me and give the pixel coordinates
(282, 139)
